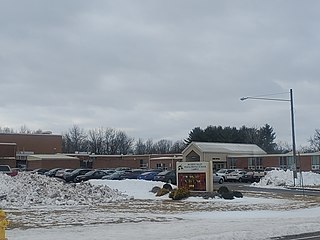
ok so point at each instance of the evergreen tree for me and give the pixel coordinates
(196, 135)
(263, 137)
(266, 139)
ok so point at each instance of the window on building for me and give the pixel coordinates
(143, 164)
(255, 163)
(283, 163)
(286, 162)
(218, 166)
(290, 163)
(315, 163)
(87, 163)
(161, 166)
(232, 163)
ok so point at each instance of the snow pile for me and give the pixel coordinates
(26, 189)
(137, 188)
(283, 178)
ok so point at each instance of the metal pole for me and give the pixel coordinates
(292, 127)
(293, 140)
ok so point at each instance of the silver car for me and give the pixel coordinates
(217, 178)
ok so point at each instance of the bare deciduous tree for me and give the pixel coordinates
(315, 141)
(96, 140)
(177, 147)
(140, 147)
(75, 140)
(162, 146)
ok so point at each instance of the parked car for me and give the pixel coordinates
(148, 175)
(166, 176)
(70, 176)
(223, 172)
(15, 171)
(94, 174)
(135, 173)
(61, 172)
(108, 171)
(123, 169)
(252, 176)
(40, 171)
(235, 175)
(218, 179)
(268, 169)
(52, 172)
(5, 169)
(118, 175)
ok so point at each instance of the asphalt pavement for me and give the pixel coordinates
(291, 191)
(304, 236)
(288, 191)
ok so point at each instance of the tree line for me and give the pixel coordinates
(110, 141)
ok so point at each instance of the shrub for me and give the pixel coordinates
(223, 189)
(179, 193)
(162, 191)
(227, 195)
(237, 194)
(155, 189)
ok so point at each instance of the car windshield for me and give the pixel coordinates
(77, 170)
(164, 173)
(146, 173)
(90, 172)
(4, 168)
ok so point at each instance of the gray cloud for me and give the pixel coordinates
(157, 69)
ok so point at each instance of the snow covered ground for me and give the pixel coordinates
(45, 208)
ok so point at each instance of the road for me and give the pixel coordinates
(246, 187)
(304, 236)
(291, 191)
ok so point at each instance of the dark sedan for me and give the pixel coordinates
(134, 173)
(70, 176)
(166, 176)
(52, 172)
(118, 175)
(148, 175)
(94, 174)
(251, 177)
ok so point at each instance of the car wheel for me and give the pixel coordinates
(221, 181)
(167, 186)
(240, 179)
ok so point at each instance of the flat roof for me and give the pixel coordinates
(13, 144)
(50, 156)
(31, 134)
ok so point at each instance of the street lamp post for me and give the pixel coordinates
(292, 126)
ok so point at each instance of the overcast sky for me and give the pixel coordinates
(158, 69)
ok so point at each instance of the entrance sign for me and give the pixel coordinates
(195, 176)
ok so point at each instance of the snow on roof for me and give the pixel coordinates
(232, 148)
(49, 156)
(178, 156)
(11, 144)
